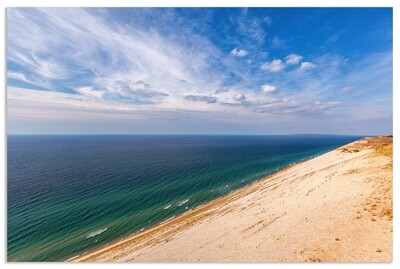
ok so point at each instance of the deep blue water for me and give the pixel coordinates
(70, 194)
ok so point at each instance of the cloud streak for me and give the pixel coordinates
(201, 98)
(104, 55)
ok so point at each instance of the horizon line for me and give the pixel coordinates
(193, 134)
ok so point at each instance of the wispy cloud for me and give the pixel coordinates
(145, 67)
(103, 54)
(250, 26)
(267, 20)
(277, 43)
(17, 76)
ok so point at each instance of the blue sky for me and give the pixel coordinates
(199, 71)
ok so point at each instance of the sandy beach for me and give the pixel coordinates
(335, 207)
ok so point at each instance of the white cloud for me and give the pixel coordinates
(267, 20)
(307, 65)
(274, 66)
(239, 53)
(89, 91)
(266, 88)
(293, 58)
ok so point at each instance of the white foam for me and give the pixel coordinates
(183, 202)
(92, 234)
(168, 206)
(168, 219)
(73, 257)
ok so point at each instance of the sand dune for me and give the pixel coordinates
(336, 207)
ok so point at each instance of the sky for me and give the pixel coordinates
(199, 71)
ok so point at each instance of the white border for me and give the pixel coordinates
(204, 3)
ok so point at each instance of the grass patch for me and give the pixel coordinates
(386, 150)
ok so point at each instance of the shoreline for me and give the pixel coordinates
(193, 211)
(196, 210)
(216, 208)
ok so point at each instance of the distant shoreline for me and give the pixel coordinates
(165, 232)
(195, 135)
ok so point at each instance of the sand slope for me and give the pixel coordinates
(336, 207)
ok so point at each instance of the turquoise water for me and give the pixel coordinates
(70, 194)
